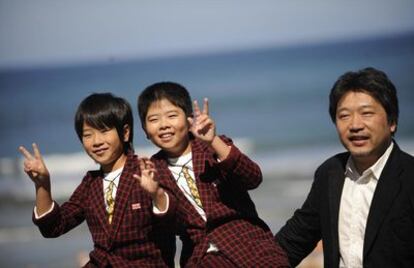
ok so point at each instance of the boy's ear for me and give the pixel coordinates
(127, 132)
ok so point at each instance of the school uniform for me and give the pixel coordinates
(230, 233)
(136, 236)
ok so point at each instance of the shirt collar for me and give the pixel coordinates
(183, 160)
(375, 170)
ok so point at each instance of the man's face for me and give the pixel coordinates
(166, 125)
(363, 128)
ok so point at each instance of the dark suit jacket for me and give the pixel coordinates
(232, 223)
(389, 234)
(133, 239)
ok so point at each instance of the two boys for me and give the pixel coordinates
(206, 180)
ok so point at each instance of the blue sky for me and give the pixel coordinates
(49, 32)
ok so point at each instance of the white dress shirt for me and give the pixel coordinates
(355, 204)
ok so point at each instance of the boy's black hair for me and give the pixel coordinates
(102, 111)
(173, 92)
(370, 81)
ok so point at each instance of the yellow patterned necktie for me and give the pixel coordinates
(193, 187)
(110, 201)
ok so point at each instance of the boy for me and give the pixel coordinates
(216, 219)
(119, 213)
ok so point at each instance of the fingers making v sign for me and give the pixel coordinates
(147, 179)
(202, 125)
(34, 165)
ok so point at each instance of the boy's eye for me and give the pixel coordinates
(172, 115)
(86, 135)
(152, 120)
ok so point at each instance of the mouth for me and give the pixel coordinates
(358, 140)
(100, 152)
(166, 137)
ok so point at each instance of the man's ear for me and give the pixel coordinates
(127, 133)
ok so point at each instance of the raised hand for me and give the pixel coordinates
(202, 125)
(146, 180)
(34, 166)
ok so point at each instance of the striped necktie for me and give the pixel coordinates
(192, 185)
(110, 201)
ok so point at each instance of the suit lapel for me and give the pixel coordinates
(201, 161)
(198, 160)
(167, 180)
(97, 197)
(126, 184)
(387, 189)
(336, 183)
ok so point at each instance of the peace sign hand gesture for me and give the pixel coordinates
(146, 180)
(34, 166)
(148, 183)
(202, 125)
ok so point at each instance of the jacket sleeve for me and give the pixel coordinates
(239, 169)
(302, 232)
(66, 217)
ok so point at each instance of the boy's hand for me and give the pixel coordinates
(35, 167)
(146, 180)
(202, 126)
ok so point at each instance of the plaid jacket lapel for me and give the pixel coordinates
(167, 180)
(97, 199)
(126, 184)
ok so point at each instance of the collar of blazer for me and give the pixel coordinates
(126, 184)
(388, 187)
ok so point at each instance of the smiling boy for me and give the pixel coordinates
(121, 202)
(210, 177)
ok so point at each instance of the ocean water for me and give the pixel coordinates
(273, 102)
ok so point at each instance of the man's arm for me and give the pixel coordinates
(302, 231)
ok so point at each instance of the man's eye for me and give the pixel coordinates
(343, 116)
(367, 113)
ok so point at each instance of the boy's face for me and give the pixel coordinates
(166, 125)
(104, 146)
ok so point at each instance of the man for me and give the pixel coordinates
(361, 203)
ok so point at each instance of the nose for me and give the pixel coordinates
(164, 123)
(97, 139)
(356, 123)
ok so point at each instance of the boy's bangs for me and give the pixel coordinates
(100, 120)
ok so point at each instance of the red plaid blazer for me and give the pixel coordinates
(233, 224)
(136, 237)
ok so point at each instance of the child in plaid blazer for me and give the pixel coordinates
(210, 178)
(122, 203)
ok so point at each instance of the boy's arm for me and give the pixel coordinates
(36, 169)
(239, 169)
(301, 233)
(236, 165)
